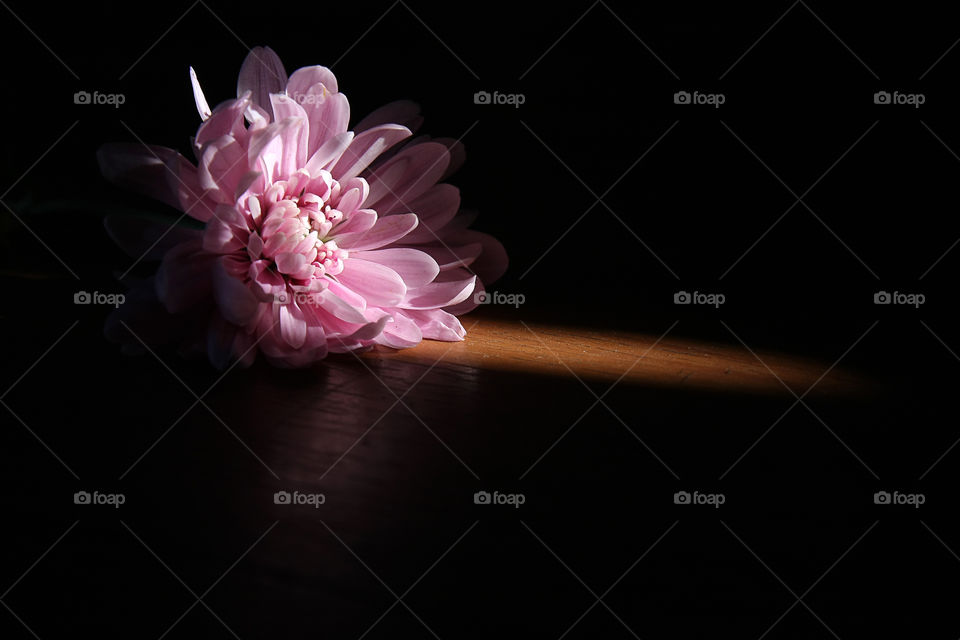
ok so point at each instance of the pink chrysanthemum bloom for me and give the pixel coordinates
(317, 239)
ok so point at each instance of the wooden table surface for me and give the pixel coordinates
(398, 443)
(500, 345)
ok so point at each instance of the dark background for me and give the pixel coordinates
(799, 113)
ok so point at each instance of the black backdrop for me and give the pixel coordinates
(692, 198)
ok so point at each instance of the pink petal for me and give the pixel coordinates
(385, 231)
(266, 282)
(273, 149)
(423, 165)
(283, 108)
(368, 331)
(227, 119)
(437, 324)
(458, 155)
(290, 263)
(492, 262)
(328, 119)
(342, 303)
(358, 221)
(262, 73)
(402, 333)
(193, 200)
(366, 148)
(379, 285)
(435, 208)
(403, 112)
(415, 267)
(220, 237)
(302, 79)
(202, 107)
(234, 299)
(222, 166)
(293, 327)
(144, 169)
(329, 152)
(143, 238)
(183, 280)
(438, 294)
(451, 257)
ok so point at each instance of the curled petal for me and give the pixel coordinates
(438, 294)
(302, 79)
(437, 324)
(402, 333)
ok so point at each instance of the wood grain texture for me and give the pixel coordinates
(602, 355)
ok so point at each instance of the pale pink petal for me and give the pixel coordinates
(368, 331)
(437, 324)
(438, 294)
(328, 119)
(343, 303)
(273, 148)
(262, 73)
(265, 282)
(227, 119)
(202, 107)
(385, 231)
(401, 333)
(293, 327)
(423, 166)
(366, 148)
(222, 166)
(415, 267)
(303, 79)
(451, 257)
(358, 221)
(283, 108)
(379, 285)
(329, 152)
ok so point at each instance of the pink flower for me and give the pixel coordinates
(316, 238)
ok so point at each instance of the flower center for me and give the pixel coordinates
(296, 228)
